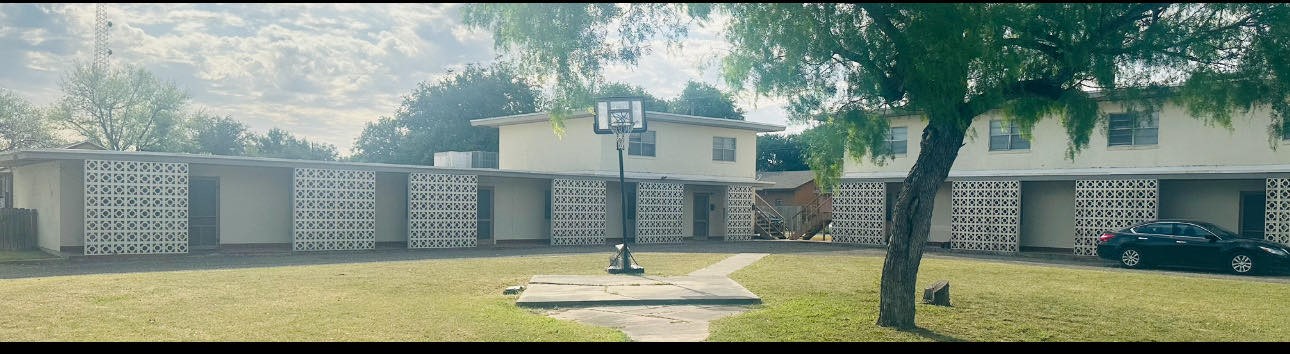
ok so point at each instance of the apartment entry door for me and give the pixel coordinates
(701, 214)
(485, 214)
(1253, 207)
(203, 213)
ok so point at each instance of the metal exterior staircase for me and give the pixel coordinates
(770, 223)
(813, 218)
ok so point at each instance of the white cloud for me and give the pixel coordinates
(318, 70)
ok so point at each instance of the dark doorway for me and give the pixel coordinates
(631, 212)
(702, 207)
(485, 214)
(203, 212)
(1253, 206)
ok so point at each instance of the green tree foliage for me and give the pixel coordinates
(281, 144)
(380, 141)
(122, 108)
(780, 153)
(850, 66)
(701, 99)
(698, 99)
(211, 134)
(436, 117)
(23, 125)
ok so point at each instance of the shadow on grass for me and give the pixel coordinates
(930, 334)
(203, 260)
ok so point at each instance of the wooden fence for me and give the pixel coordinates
(17, 229)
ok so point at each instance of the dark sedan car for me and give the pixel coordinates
(1193, 244)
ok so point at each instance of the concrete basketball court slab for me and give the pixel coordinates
(647, 308)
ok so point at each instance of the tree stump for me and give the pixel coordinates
(937, 294)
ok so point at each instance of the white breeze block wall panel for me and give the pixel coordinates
(986, 215)
(1105, 205)
(739, 213)
(860, 213)
(135, 207)
(660, 212)
(1276, 223)
(334, 210)
(577, 212)
(442, 210)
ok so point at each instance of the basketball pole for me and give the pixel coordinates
(622, 187)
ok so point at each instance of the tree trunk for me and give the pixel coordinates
(911, 221)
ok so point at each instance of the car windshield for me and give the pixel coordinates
(1220, 231)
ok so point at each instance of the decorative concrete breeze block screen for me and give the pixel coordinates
(660, 212)
(135, 207)
(577, 212)
(986, 215)
(739, 213)
(1276, 224)
(1106, 205)
(442, 210)
(334, 210)
(860, 213)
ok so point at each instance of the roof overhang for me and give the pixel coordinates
(651, 116)
(1173, 172)
(26, 157)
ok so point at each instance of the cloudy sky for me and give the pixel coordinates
(317, 70)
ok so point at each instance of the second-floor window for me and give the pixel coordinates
(1006, 137)
(723, 149)
(641, 144)
(1132, 129)
(897, 141)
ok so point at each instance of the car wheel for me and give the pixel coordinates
(1131, 258)
(1241, 263)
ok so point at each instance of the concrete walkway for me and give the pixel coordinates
(659, 323)
(729, 265)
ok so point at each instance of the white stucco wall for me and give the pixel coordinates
(254, 202)
(1215, 201)
(36, 186)
(681, 149)
(1183, 141)
(518, 207)
(1048, 214)
(392, 207)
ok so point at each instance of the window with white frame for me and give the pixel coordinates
(1005, 137)
(1132, 128)
(723, 149)
(897, 141)
(641, 144)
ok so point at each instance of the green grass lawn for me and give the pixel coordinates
(806, 298)
(424, 300)
(23, 255)
(835, 298)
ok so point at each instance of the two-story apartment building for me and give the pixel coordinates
(1009, 193)
(691, 177)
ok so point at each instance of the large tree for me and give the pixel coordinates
(702, 99)
(281, 144)
(698, 99)
(436, 117)
(122, 108)
(22, 125)
(780, 153)
(212, 134)
(849, 65)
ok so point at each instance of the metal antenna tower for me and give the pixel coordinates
(101, 26)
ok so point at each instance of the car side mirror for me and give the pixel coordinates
(1211, 238)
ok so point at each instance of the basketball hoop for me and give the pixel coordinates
(620, 116)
